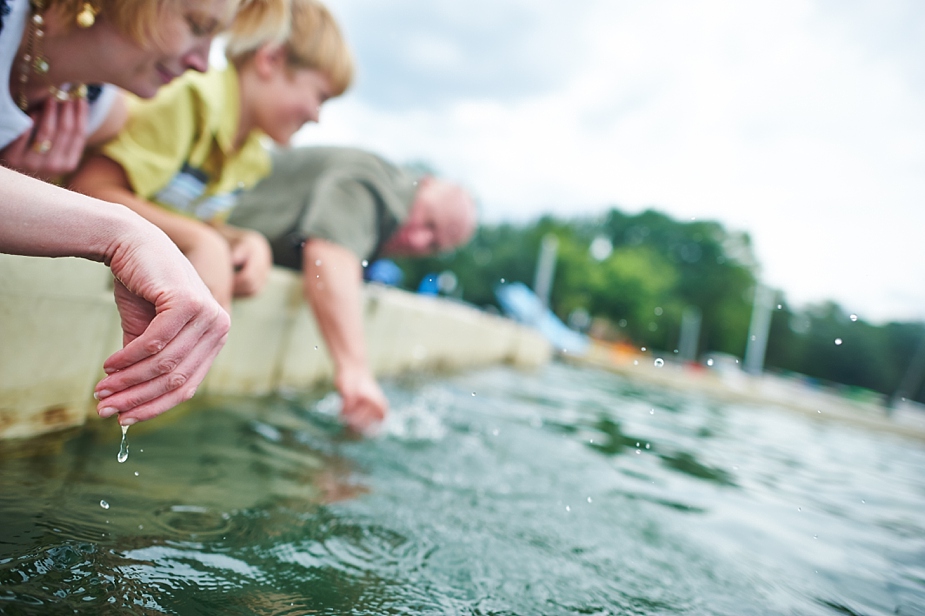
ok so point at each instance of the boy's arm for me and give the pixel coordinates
(333, 283)
(172, 328)
(207, 250)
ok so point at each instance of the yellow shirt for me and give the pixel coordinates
(177, 149)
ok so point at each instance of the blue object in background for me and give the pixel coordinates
(520, 303)
(384, 271)
(429, 285)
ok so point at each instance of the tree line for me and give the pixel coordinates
(635, 275)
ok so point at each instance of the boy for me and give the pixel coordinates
(184, 155)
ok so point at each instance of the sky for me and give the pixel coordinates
(799, 122)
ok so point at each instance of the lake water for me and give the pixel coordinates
(563, 491)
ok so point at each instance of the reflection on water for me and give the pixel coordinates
(561, 492)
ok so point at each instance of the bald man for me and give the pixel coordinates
(325, 212)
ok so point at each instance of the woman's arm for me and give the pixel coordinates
(172, 327)
(207, 250)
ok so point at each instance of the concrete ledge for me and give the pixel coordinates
(58, 323)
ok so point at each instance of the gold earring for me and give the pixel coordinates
(87, 16)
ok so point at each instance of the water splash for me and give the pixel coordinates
(123, 448)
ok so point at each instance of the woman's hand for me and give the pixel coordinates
(56, 142)
(172, 329)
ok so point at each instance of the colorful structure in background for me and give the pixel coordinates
(523, 305)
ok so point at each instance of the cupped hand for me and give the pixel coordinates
(56, 142)
(172, 330)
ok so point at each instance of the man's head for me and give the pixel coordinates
(442, 217)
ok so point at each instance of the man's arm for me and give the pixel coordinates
(333, 284)
(172, 327)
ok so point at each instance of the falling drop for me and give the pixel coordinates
(643, 349)
(659, 362)
(709, 362)
(854, 317)
(136, 473)
(473, 394)
(123, 448)
(567, 508)
(365, 262)
(838, 342)
(104, 504)
(502, 281)
(589, 499)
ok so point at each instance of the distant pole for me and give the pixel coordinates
(908, 387)
(690, 333)
(758, 329)
(545, 268)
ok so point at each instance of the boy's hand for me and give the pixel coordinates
(252, 259)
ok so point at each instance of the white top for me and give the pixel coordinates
(13, 121)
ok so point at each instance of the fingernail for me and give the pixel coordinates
(103, 393)
(106, 411)
(109, 370)
(127, 421)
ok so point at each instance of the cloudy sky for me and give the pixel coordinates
(800, 122)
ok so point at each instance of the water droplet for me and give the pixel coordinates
(502, 281)
(589, 499)
(637, 443)
(136, 473)
(123, 447)
(815, 536)
(635, 362)
(316, 347)
(567, 508)
(495, 432)
(648, 445)
(838, 342)
(779, 307)
(473, 394)
(820, 412)
(104, 504)
(652, 412)
(853, 317)
(709, 362)
(659, 362)
(799, 509)
(638, 451)
(863, 502)
(643, 348)
(365, 262)
(141, 527)
(317, 261)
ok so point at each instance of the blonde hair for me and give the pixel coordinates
(137, 19)
(314, 42)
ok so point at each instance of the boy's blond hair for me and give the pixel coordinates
(136, 18)
(314, 42)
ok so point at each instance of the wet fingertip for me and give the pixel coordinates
(127, 421)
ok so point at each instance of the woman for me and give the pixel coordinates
(172, 327)
(54, 54)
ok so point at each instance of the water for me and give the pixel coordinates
(565, 491)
